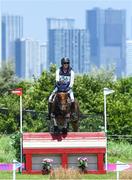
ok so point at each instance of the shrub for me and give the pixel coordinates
(7, 151)
(119, 151)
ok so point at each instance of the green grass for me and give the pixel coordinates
(119, 151)
(8, 176)
(110, 176)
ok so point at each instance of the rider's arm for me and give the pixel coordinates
(57, 75)
(71, 79)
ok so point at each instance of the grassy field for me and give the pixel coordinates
(8, 176)
(109, 176)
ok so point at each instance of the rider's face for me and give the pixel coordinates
(65, 65)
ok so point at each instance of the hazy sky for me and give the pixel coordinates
(35, 12)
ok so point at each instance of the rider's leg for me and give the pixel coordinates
(72, 99)
(52, 95)
(71, 95)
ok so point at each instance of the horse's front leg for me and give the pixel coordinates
(54, 120)
(66, 123)
(56, 129)
(67, 119)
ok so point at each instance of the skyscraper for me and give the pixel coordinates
(12, 29)
(54, 26)
(57, 23)
(43, 56)
(129, 58)
(107, 29)
(28, 63)
(65, 40)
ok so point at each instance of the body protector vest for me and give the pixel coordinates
(65, 76)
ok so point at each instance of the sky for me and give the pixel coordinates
(35, 13)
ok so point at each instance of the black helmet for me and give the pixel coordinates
(65, 60)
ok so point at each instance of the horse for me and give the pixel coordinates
(63, 112)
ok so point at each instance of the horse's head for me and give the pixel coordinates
(62, 100)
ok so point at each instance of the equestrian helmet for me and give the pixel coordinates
(65, 60)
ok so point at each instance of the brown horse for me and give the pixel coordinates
(64, 112)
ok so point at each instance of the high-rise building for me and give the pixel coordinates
(28, 63)
(65, 40)
(57, 23)
(131, 29)
(107, 29)
(12, 29)
(54, 24)
(43, 56)
(129, 58)
(0, 45)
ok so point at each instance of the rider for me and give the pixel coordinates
(64, 74)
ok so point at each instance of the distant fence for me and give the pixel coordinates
(88, 122)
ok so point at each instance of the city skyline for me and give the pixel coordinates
(35, 13)
(63, 37)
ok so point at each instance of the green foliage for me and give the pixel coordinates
(120, 150)
(7, 151)
(36, 98)
(7, 77)
(119, 108)
(15, 139)
(88, 90)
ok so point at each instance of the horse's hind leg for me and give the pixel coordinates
(75, 126)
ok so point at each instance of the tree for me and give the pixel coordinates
(7, 77)
(88, 90)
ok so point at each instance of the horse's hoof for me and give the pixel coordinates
(64, 131)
